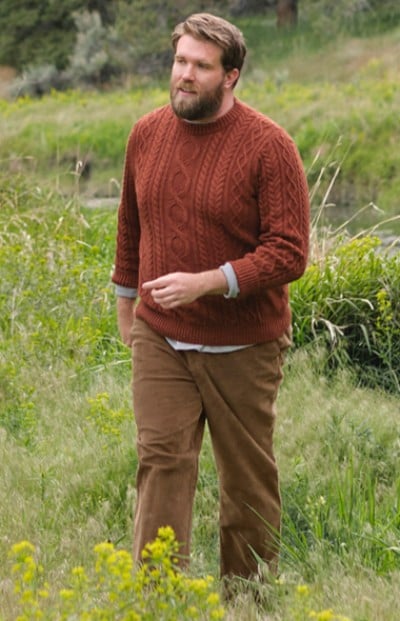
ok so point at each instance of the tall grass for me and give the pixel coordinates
(67, 435)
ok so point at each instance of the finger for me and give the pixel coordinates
(162, 291)
(162, 295)
(151, 284)
(161, 281)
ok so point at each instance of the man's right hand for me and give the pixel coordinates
(125, 314)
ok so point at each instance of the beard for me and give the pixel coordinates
(196, 107)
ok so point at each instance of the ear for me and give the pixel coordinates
(231, 77)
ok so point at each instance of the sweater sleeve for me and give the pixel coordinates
(128, 232)
(284, 211)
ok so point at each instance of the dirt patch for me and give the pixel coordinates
(7, 75)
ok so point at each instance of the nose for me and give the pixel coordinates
(188, 72)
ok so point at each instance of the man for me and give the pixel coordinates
(213, 224)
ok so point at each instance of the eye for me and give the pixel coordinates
(203, 65)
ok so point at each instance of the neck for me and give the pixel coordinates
(227, 104)
(211, 125)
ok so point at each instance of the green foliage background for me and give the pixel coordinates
(40, 33)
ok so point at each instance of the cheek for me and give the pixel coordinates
(175, 74)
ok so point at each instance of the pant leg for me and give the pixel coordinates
(170, 424)
(239, 392)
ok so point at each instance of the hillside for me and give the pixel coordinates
(339, 59)
(338, 98)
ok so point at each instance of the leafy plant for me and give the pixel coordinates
(115, 590)
(347, 301)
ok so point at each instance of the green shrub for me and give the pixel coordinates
(348, 301)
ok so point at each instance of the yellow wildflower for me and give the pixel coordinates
(22, 548)
(66, 594)
(213, 599)
(218, 613)
(303, 590)
(323, 615)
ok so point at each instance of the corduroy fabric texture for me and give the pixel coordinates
(198, 195)
(175, 393)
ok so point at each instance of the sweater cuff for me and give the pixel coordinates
(232, 281)
(125, 292)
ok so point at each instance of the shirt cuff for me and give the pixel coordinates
(232, 281)
(125, 292)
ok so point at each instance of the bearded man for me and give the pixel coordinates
(213, 224)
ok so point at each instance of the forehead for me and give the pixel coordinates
(198, 49)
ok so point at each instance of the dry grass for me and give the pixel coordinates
(345, 59)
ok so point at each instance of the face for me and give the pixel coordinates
(200, 90)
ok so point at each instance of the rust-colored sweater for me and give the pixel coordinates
(196, 196)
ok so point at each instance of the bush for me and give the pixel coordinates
(91, 61)
(348, 301)
(38, 80)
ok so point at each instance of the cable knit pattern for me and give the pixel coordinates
(197, 195)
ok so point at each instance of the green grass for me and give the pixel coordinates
(67, 435)
(340, 481)
(338, 98)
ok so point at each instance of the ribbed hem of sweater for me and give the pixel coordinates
(221, 334)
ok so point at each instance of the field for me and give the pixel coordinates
(67, 434)
(336, 97)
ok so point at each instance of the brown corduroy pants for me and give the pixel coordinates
(174, 394)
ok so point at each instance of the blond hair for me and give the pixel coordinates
(217, 30)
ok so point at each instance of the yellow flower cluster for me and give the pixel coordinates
(385, 310)
(28, 585)
(327, 615)
(107, 420)
(115, 590)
